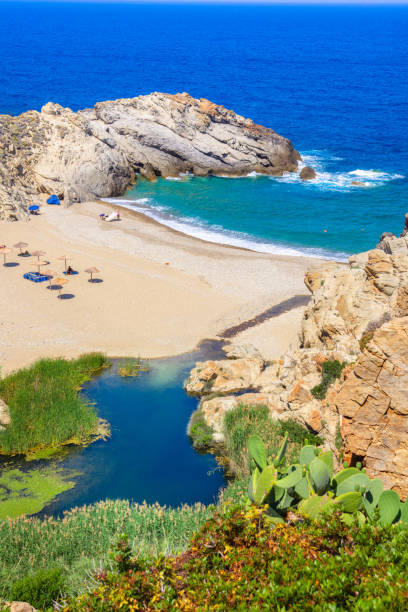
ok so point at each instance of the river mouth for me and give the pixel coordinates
(149, 456)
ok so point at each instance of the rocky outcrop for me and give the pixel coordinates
(358, 316)
(351, 300)
(99, 152)
(21, 606)
(228, 375)
(307, 173)
(373, 406)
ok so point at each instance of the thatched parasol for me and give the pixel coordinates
(64, 259)
(51, 274)
(61, 282)
(38, 254)
(40, 263)
(4, 251)
(21, 246)
(91, 271)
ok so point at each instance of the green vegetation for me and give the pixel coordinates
(244, 421)
(28, 492)
(130, 368)
(199, 432)
(306, 538)
(239, 562)
(330, 371)
(40, 589)
(365, 339)
(46, 408)
(312, 489)
(79, 543)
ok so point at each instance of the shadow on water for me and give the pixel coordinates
(149, 456)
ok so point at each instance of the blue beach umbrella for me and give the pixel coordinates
(34, 207)
(53, 200)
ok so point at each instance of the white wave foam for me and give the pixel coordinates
(336, 181)
(252, 174)
(217, 234)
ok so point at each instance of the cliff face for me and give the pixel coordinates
(358, 315)
(98, 152)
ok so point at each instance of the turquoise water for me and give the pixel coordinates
(149, 456)
(326, 217)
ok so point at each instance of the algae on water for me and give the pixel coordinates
(28, 492)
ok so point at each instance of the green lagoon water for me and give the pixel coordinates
(149, 456)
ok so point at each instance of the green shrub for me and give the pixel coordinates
(330, 371)
(365, 339)
(297, 433)
(39, 589)
(239, 562)
(244, 421)
(46, 408)
(199, 432)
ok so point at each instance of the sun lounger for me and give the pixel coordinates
(36, 277)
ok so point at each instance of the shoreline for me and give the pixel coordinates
(163, 292)
(211, 236)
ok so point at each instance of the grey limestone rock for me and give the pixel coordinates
(99, 152)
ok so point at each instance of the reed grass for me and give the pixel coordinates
(46, 408)
(244, 421)
(78, 543)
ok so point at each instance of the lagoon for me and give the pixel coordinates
(149, 456)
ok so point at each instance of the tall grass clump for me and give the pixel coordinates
(46, 408)
(79, 543)
(244, 421)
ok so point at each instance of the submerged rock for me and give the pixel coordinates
(98, 152)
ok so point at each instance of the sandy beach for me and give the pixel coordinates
(160, 292)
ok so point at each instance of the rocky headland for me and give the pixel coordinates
(99, 152)
(356, 321)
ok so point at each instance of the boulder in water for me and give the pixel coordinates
(307, 173)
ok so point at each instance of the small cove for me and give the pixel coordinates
(149, 456)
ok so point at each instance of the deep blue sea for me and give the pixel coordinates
(332, 79)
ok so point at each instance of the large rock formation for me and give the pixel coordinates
(358, 316)
(373, 406)
(98, 152)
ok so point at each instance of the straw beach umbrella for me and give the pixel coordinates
(91, 271)
(64, 259)
(38, 254)
(4, 251)
(21, 246)
(40, 263)
(61, 282)
(51, 275)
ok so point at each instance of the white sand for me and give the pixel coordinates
(143, 306)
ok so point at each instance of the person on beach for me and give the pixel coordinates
(70, 270)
